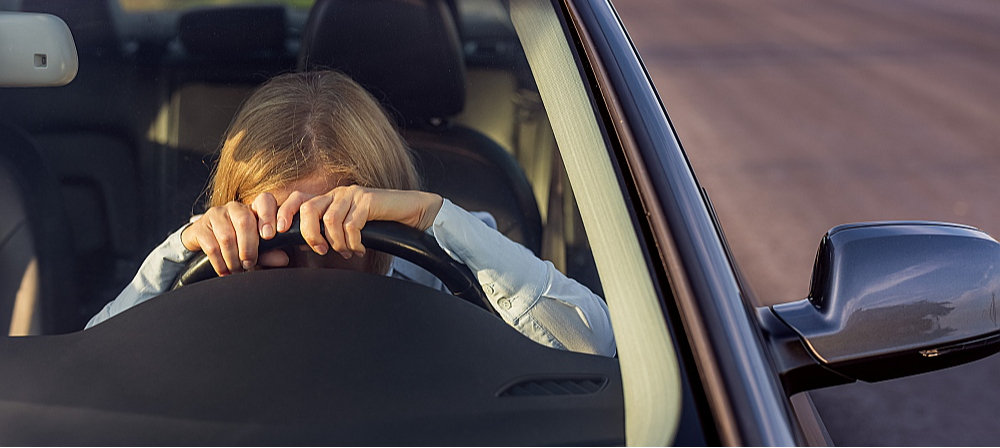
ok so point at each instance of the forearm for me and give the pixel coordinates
(528, 293)
(155, 276)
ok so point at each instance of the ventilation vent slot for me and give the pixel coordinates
(547, 387)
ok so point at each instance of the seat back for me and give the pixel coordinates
(227, 53)
(37, 274)
(89, 133)
(408, 55)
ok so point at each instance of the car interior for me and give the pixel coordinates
(130, 142)
(99, 171)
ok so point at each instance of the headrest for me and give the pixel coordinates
(405, 52)
(234, 33)
(89, 20)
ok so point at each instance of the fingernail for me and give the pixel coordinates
(359, 253)
(282, 225)
(346, 255)
(267, 231)
(320, 249)
(247, 265)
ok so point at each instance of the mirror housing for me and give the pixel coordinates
(36, 50)
(890, 299)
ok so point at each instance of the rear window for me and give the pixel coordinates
(181, 5)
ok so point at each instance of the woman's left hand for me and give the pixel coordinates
(344, 211)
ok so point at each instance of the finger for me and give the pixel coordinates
(247, 238)
(189, 236)
(333, 221)
(356, 219)
(309, 223)
(289, 208)
(225, 234)
(266, 209)
(273, 259)
(210, 246)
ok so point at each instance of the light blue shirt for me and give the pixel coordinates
(530, 294)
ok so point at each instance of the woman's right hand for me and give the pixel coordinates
(229, 234)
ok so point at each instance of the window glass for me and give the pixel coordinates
(132, 140)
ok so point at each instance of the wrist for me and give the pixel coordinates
(430, 211)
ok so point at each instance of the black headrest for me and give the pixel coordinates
(234, 32)
(89, 21)
(406, 52)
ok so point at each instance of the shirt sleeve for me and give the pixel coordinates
(529, 294)
(155, 276)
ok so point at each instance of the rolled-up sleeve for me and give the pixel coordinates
(529, 294)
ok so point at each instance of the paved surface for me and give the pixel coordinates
(799, 116)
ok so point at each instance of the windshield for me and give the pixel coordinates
(488, 98)
(132, 140)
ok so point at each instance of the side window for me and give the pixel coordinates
(503, 103)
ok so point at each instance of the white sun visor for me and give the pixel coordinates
(36, 50)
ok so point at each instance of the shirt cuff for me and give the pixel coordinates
(173, 248)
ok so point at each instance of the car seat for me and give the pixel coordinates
(408, 55)
(227, 53)
(36, 268)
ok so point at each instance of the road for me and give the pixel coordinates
(798, 116)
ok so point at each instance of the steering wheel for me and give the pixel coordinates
(390, 237)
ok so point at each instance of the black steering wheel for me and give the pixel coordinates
(392, 238)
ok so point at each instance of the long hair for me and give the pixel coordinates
(301, 124)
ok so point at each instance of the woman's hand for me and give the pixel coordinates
(229, 234)
(344, 211)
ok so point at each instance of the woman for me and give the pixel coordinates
(318, 145)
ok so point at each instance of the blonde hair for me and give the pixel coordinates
(301, 124)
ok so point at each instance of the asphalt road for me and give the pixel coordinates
(799, 116)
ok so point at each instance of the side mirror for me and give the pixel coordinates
(888, 300)
(36, 50)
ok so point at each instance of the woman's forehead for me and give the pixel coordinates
(316, 184)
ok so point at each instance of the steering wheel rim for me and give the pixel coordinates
(393, 238)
